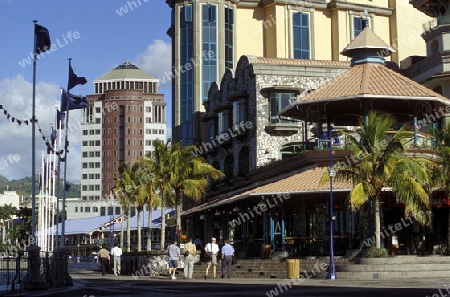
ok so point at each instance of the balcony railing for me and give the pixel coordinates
(424, 141)
(438, 21)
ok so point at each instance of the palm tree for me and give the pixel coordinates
(149, 191)
(144, 193)
(6, 212)
(190, 176)
(160, 160)
(382, 161)
(118, 191)
(139, 196)
(443, 147)
(21, 232)
(124, 189)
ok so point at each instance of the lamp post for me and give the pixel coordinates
(331, 275)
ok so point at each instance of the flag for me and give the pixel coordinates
(60, 116)
(74, 80)
(75, 102)
(53, 136)
(42, 39)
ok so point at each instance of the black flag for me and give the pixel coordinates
(74, 80)
(42, 37)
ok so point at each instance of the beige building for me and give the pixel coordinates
(282, 204)
(432, 69)
(209, 37)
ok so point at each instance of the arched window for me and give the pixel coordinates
(229, 166)
(244, 161)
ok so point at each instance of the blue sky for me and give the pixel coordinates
(104, 34)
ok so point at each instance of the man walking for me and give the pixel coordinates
(174, 253)
(211, 249)
(117, 253)
(227, 258)
(103, 255)
(190, 251)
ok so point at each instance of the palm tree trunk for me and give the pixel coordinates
(149, 228)
(121, 230)
(139, 230)
(377, 221)
(162, 243)
(129, 230)
(178, 216)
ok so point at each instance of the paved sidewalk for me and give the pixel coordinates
(91, 284)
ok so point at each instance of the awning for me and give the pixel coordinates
(304, 182)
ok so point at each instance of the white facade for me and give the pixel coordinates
(91, 155)
(10, 197)
(78, 208)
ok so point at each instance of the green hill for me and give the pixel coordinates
(23, 186)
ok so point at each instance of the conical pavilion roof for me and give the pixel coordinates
(367, 40)
(368, 84)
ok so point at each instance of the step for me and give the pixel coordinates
(392, 267)
(390, 275)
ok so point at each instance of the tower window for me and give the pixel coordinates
(301, 35)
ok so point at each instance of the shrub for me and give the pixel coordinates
(374, 252)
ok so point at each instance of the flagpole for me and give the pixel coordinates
(33, 147)
(58, 126)
(66, 159)
(33, 279)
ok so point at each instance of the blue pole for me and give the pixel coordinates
(33, 146)
(415, 130)
(331, 275)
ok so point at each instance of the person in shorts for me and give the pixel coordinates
(174, 254)
(213, 249)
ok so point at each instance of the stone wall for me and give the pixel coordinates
(249, 80)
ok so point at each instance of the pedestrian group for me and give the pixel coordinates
(212, 254)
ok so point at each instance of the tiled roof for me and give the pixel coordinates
(369, 80)
(306, 181)
(301, 62)
(367, 40)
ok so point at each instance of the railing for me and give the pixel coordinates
(423, 141)
(14, 268)
(438, 21)
(307, 246)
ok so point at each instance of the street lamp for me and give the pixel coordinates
(331, 275)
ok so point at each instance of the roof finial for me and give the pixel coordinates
(366, 18)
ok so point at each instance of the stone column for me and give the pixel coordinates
(61, 275)
(33, 279)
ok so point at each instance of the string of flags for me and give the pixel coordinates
(15, 119)
(50, 143)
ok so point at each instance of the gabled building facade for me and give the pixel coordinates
(283, 205)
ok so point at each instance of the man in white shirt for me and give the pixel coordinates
(117, 253)
(213, 249)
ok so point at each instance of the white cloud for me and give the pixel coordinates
(16, 98)
(156, 60)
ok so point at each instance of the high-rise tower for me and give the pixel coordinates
(126, 114)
